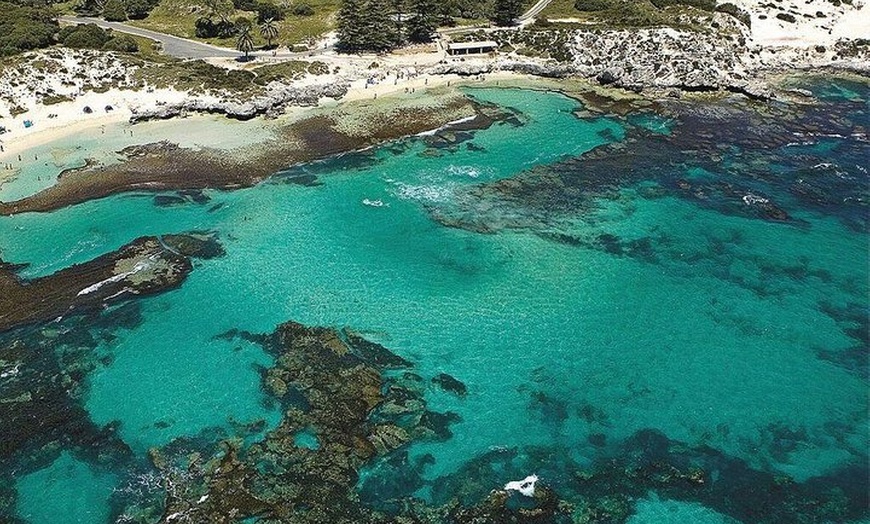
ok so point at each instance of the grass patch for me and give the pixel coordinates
(631, 14)
(563, 9)
(288, 71)
(199, 76)
(178, 17)
(148, 49)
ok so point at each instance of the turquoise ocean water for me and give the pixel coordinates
(719, 333)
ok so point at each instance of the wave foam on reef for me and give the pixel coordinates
(464, 171)
(447, 125)
(525, 486)
(429, 193)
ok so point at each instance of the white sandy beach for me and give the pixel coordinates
(396, 76)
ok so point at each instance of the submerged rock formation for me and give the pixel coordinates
(165, 166)
(333, 388)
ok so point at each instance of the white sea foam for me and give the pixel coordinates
(750, 199)
(140, 266)
(10, 372)
(448, 124)
(525, 486)
(464, 171)
(429, 193)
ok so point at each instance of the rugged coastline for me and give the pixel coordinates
(742, 50)
(714, 169)
(165, 166)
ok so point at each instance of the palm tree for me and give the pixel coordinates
(269, 31)
(245, 42)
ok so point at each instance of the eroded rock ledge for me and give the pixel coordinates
(145, 266)
(274, 103)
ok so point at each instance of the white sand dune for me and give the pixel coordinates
(816, 22)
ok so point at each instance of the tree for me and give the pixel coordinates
(245, 43)
(266, 10)
(505, 12)
(114, 11)
(350, 30)
(269, 31)
(422, 23)
(381, 30)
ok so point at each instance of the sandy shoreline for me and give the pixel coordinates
(777, 44)
(71, 121)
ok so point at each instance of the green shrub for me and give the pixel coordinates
(25, 28)
(87, 36)
(736, 12)
(123, 43)
(267, 10)
(87, 8)
(245, 5)
(591, 5)
(242, 22)
(705, 5)
(139, 9)
(114, 11)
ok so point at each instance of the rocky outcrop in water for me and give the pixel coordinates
(146, 266)
(341, 411)
(274, 102)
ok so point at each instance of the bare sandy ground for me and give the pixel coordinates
(816, 22)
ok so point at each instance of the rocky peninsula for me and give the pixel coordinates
(145, 266)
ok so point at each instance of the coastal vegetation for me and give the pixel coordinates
(682, 14)
(505, 12)
(23, 28)
(380, 26)
(115, 10)
(301, 23)
(90, 36)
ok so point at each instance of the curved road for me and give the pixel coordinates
(184, 48)
(172, 45)
(534, 11)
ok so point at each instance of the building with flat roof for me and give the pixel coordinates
(469, 48)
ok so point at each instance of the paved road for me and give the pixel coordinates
(534, 11)
(172, 45)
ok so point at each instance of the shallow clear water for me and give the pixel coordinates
(711, 344)
(67, 491)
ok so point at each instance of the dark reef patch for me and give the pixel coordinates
(161, 167)
(142, 267)
(450, 384)
(358, 413)
(854, 320)
(734, 157)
